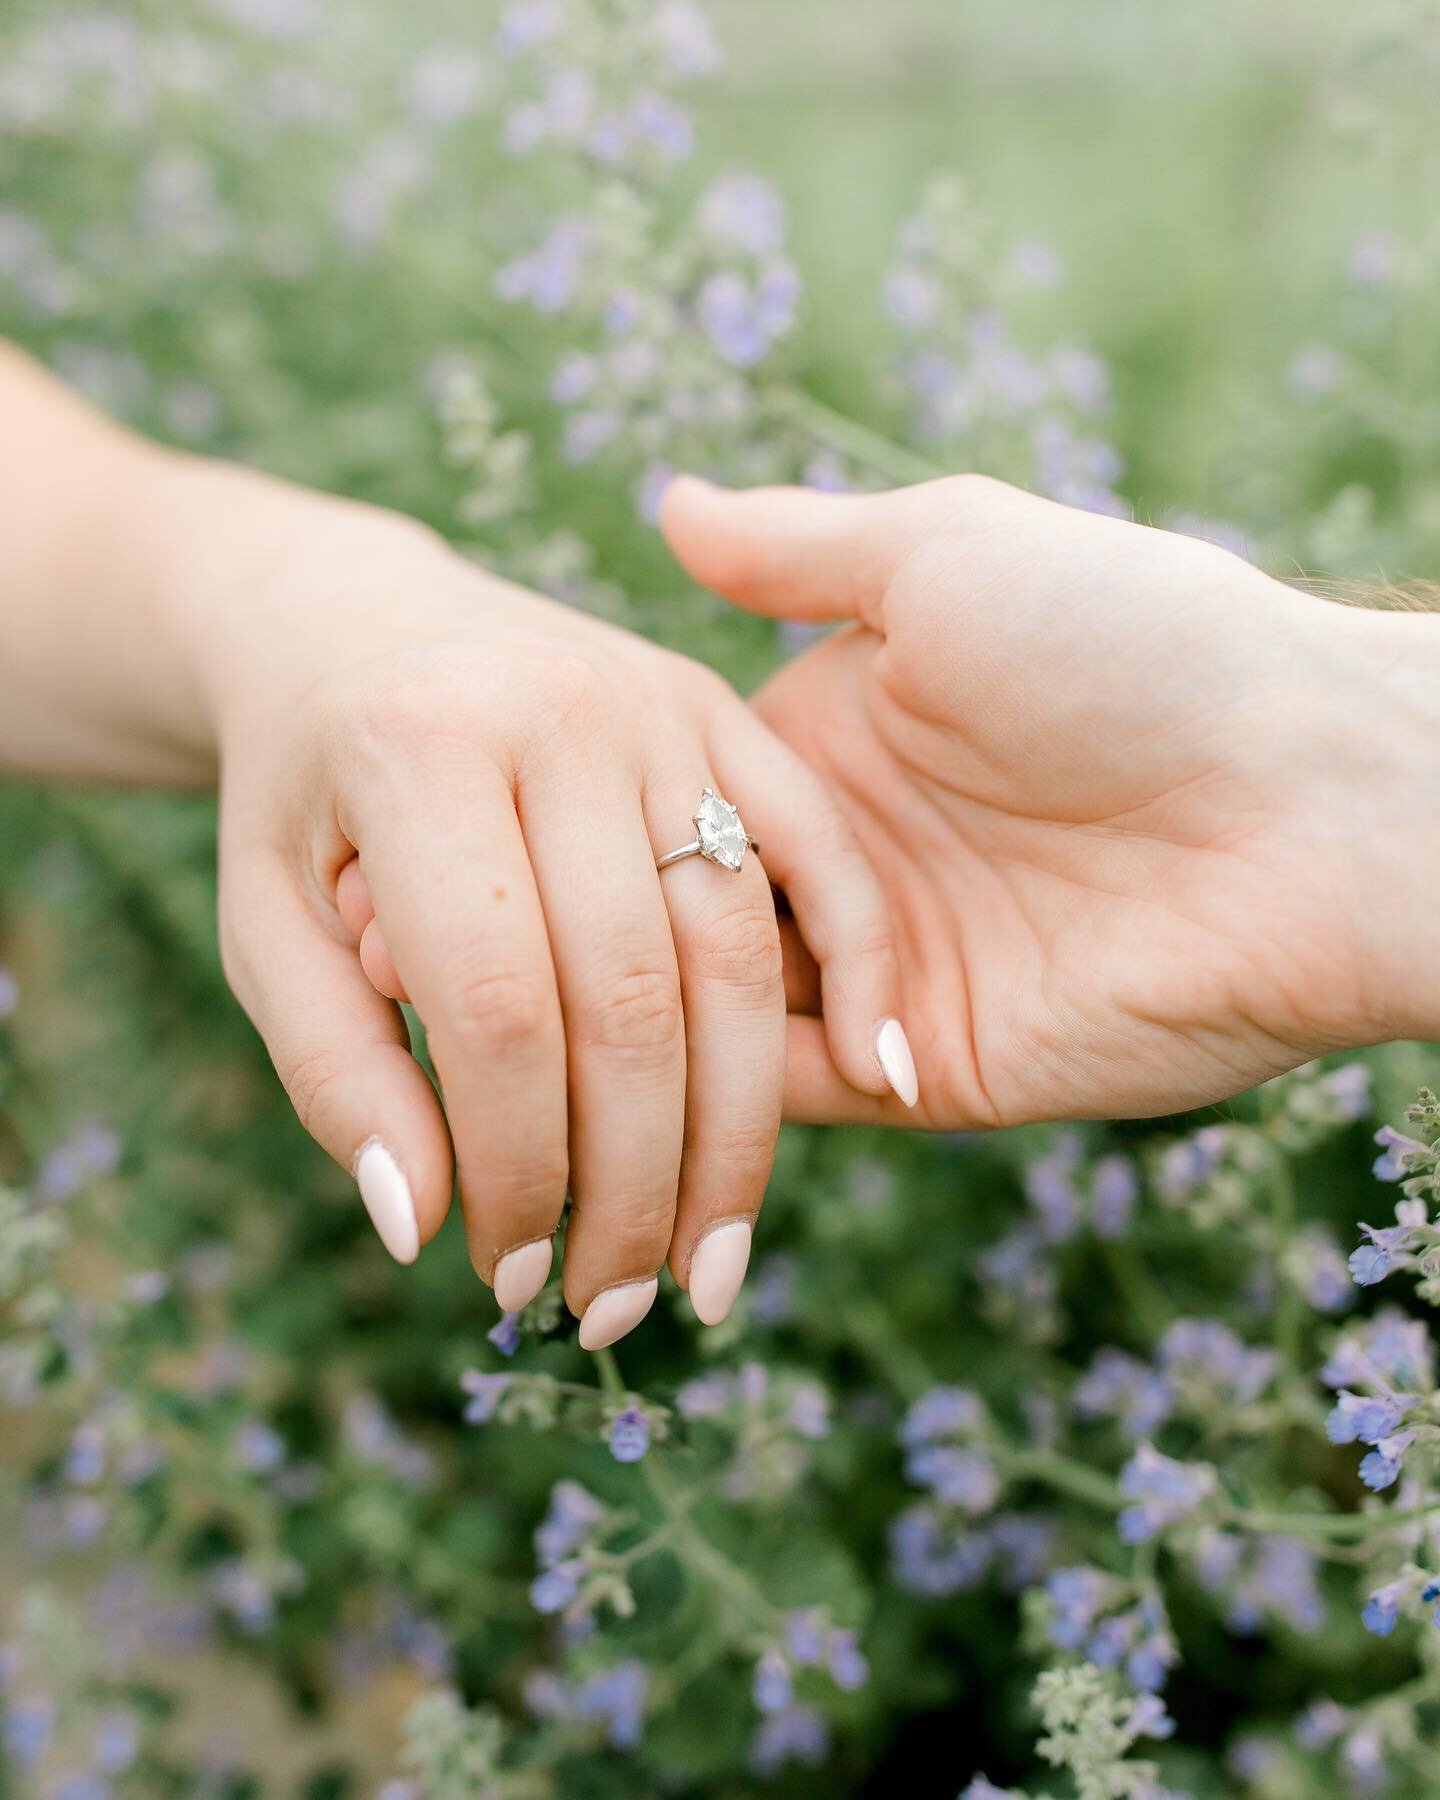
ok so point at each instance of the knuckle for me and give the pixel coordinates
(741, 948)
(519, 1194)
(749, 1150)
(307, 1080)
(575, 689)
(489, 1004)
(637, 1010)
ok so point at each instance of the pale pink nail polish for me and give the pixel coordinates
(897, 1064)
(717, 1270)
(615, 1311)
(520, 1274)
(388, 1200)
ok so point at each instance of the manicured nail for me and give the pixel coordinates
(615, 1311)
(386, 1194)
(717, 1269)
(520, 1274)
(897, 1065)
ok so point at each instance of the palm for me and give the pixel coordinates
(1049, 750)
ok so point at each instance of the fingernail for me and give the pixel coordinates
(717, 1270)
(386, 1194)
(520, 1274)
(892, 1052)
(615, 1311)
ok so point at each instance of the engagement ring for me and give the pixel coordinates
(722, 838)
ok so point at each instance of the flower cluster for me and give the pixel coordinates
(1091, 1386)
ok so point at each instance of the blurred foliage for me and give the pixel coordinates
(280, 230)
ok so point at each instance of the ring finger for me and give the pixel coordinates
(728, 947)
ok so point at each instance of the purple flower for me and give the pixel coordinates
(1348, 1089)
(1320, 1724)
(1077, 1596)
(1082, 377)
(929, 1556)
(658, 121)
(573, 378)
(808, 1413)
(29, 1725)
(1283, 1583)
(729, 316)
(686, 41)
(549, 277)
(617, 1696)
(804, 1637)
(1189, 1164)
(505, 1335)
(981, 1789)
(629, 1435)
(958, 1477)
(745, 211)
(526, 23)
(913, 298)
(1114, 1189)
(554, 1588)
(1166, 1491)
(773, 1688)
(1363, 1418)
(485, 1392)
(1053, 1196)
(1381, 1468)
(572, 1515)
(1382, 1609)
(588, 433)
(799, 1734)
(1368, 1265)
(117, 1742)
(1396, 1147)
(9, 994)
(942, 1412)
(257, 1447)
(849, 1668)
(1120, 1386)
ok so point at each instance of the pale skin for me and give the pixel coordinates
(1148, 821)
(492, 775)
(1115, 823)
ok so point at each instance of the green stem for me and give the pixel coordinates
(1067, 1476)
(610, 1378)
(873, 449)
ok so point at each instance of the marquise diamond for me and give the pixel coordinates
(722, 837)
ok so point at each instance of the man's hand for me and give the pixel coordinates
(1141, 812)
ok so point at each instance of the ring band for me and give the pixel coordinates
(720, 837)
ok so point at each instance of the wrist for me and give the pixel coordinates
(261, 584)
(1382, 740)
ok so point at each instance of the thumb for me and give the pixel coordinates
(791, 553)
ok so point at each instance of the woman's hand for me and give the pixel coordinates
(475, 783)
(1145, 818)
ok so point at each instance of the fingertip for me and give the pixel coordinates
(352, 898)
(375, 960)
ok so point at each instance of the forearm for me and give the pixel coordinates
(91, 682)
(135, 584)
